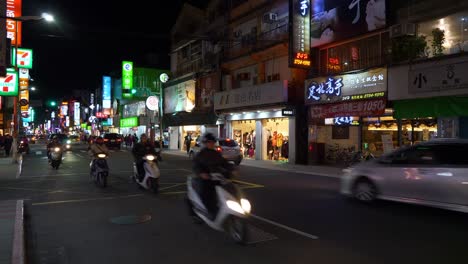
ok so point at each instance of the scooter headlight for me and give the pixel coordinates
(150, 157)
(245, 204)
(101, 156)
(68, 146)
(56, 149)
(68, 141)
(21, 142)
(235, 206)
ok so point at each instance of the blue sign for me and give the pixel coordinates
(331, 88)
(106, 92)
(304, 6)
(345, 120)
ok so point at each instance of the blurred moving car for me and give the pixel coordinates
(433, 173)
(229, 148)
(112, 140)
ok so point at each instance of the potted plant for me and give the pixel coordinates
(438, 39)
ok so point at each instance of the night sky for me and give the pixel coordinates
(91, 38)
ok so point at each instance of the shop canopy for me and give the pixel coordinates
(431, 107)
(189, 119)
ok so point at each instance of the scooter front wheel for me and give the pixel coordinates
(237, 229)
(153, 185)
(102, 179)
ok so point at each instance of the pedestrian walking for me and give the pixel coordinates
(8, 142)
(188, 142)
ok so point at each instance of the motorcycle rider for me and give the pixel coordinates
(207, 161)
(141, 149)
(53, 144)
(97, 148)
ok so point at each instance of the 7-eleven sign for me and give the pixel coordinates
(24, 58)
(9, 84)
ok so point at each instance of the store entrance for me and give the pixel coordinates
(244, 133)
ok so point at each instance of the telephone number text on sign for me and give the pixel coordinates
(373, 107)
(364, 96)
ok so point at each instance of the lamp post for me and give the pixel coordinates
(44, 16)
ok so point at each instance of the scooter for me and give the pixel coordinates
(151, 179)
(55, 157)
(233, 208)
(23, 147)
(99, 170)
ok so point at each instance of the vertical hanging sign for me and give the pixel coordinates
(13, 27)
(299, 38)
(127, 78)
(3, 42)
(106, 92)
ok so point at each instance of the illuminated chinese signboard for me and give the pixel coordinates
(127, 78)
(374, 107)
(365, 85)
(76, 113)
(24, 57)
(13, 27)
(24, 94)
(9, 84)
(106, 92)
(299, 39)
(129, 122)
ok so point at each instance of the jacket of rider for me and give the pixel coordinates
(209, 161)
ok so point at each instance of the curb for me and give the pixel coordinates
(330, 175)
(18, 254)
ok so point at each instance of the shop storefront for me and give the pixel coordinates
(187, 112)
(430, 99)
(261, 128)
(347, 113)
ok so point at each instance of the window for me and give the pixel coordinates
(423, 155)
(228, 143)
(356, 55)
(455, 154)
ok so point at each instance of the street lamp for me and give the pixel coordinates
(46, 17)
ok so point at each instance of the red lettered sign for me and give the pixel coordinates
(374, 107)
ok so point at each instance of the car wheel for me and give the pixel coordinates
(365, 191)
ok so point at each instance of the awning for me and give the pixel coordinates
(189, 119)
(431, 107)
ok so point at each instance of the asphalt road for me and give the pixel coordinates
(298, 219)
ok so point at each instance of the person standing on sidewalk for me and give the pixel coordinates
(8, 143)
(188, 142)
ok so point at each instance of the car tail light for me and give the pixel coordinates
(106, 139)
(219, 149)
(118, 139)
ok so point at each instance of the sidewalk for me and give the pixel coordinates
(326, 171)
(9, 170)
(12, 232)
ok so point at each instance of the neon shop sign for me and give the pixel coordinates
(330, 88)
(345, 121)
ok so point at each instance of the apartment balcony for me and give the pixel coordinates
(249, 44)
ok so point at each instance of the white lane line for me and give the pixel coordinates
(79, 155)
(284, 227)
(172, 186)
(87, 200)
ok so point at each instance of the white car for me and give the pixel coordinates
(433, 173)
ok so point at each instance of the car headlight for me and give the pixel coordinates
(149, 157)
(235, 206)
(56, 149)
(101, 156)
(245, 204)
(68, 141)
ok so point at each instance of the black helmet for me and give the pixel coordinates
(208, 137)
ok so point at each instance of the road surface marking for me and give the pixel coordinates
(181, 192)
(79, 155)
(252, 185)
(38, 152)
(285, 227)
(172, 186)
(87, 200)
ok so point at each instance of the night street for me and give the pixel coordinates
(68, 219)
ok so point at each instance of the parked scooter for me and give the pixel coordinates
(233, 208)
(99, 169)
(55, 157)
(150, 180)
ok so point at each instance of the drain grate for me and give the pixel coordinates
(130, 219)
(257, 235)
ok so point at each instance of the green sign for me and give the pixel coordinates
(23, 56)
(127, 78)
(83, 125)
(129, 122)
(9, 84)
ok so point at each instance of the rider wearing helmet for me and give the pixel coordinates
(52, 144)
(141, 149)
(207, 161)
(98, 147)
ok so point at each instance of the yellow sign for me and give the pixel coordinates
(24, 94)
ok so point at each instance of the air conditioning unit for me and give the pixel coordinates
(402, 30)
(270, 18)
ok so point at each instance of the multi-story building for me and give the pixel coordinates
(428, 84)
(195, 52)
(260, 92)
